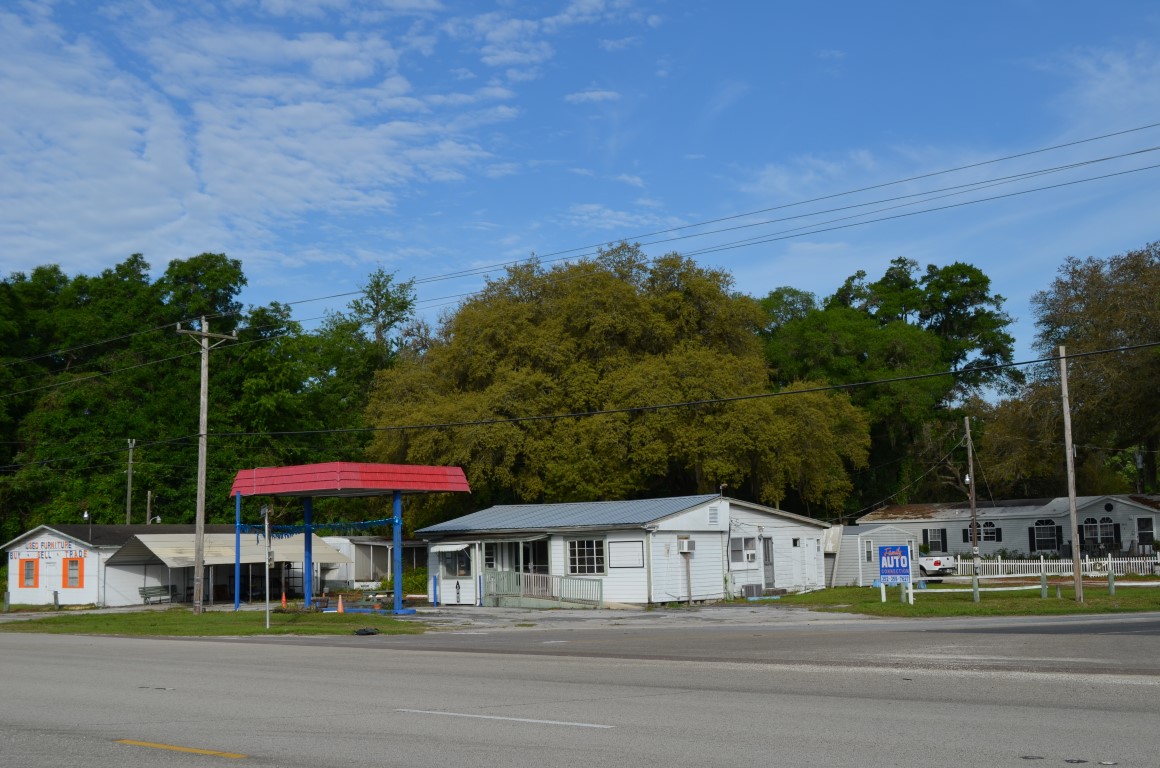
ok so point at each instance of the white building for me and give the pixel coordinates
(690, 548)
(110, 565)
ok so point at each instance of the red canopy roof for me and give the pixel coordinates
(345, 478)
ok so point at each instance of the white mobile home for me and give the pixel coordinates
(689, 548)
(1115, 524)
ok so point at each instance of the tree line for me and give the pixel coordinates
(611, 377)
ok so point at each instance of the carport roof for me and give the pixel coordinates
(176, 550)
(345, 478)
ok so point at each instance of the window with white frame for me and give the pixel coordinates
(743, 549)
(489, 550)
(29, 573)
(1107, 530)
(869, 551)
(936, 539)
(990, 532)
(1045, 535)
(586, 556)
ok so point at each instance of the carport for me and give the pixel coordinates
(346, 480)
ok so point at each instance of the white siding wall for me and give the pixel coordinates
(706, 567)
(50, 553)
(852, 569)
(794, 568)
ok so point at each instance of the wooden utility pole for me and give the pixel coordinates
(1075, 559)
(129, 486)
(203, 336)
(971, 488)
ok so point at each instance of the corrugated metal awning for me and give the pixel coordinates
(448, 547)
(176, 550)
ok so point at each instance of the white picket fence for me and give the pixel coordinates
(1121, 566)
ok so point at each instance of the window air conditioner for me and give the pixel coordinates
(686, 545)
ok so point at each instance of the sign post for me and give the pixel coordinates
(894, 568)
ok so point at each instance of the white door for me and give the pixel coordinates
(767, 563)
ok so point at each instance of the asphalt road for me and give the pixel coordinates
(721, 687)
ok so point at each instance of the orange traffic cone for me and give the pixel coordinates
(283, 598)
(340, 608)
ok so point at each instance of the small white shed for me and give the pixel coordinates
(641, 551)
(856, 553)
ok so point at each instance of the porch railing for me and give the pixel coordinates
(531, 589)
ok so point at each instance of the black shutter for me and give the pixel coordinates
(966, 535)
(1080, 529)
(945, 542)
(1116, 535)
(925, 538)
(998, 534)
(1059, 537)
(1031, 538)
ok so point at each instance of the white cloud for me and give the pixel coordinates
(631, 180)
(620, 44)
(600, 217)
(591, 96)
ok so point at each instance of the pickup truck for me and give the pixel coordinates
(937, 565)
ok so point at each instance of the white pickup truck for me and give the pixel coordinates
(937, 565)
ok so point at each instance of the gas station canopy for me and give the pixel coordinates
(348, 479)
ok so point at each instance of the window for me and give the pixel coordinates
(586, 556)
(743, 550)
(869, 551)
(489, 556)
(935, 539)
(797, 542)
(1044, 535)
(456, 564)
(987, 532)
(30, 573)
(1107, 530)
(1145, 533)
(1091, 530)
(73, 575)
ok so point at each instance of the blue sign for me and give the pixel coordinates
(894, 564)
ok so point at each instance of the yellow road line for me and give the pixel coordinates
(174, 748)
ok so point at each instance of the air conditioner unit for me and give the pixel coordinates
(751, 590)
(686, 545)
(751, 557)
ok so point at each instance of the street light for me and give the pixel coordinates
(90, 521)
(154, 519)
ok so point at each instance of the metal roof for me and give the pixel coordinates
(345, 478)
(112, 535)
(580, 514)
(176, 550)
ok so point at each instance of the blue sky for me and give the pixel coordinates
(317, 140)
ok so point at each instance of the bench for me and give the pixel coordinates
(158, 592)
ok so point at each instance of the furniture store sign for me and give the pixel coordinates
(47, 549)
(894, 564)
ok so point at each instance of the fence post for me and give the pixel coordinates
(1111, 576)
(975, 587)
(1043, 585)
(999, 559)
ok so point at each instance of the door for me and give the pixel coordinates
(767, 563)
(811, 553)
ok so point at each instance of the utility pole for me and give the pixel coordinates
(129, 486)
(971, 487)
(203, 336)
(1075, 560)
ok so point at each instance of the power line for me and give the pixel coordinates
(589, 249)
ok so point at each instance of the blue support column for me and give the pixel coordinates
(397, 539)
(308, 566)
(237, 550)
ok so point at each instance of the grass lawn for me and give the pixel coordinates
(181, 622)
(867, 600)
